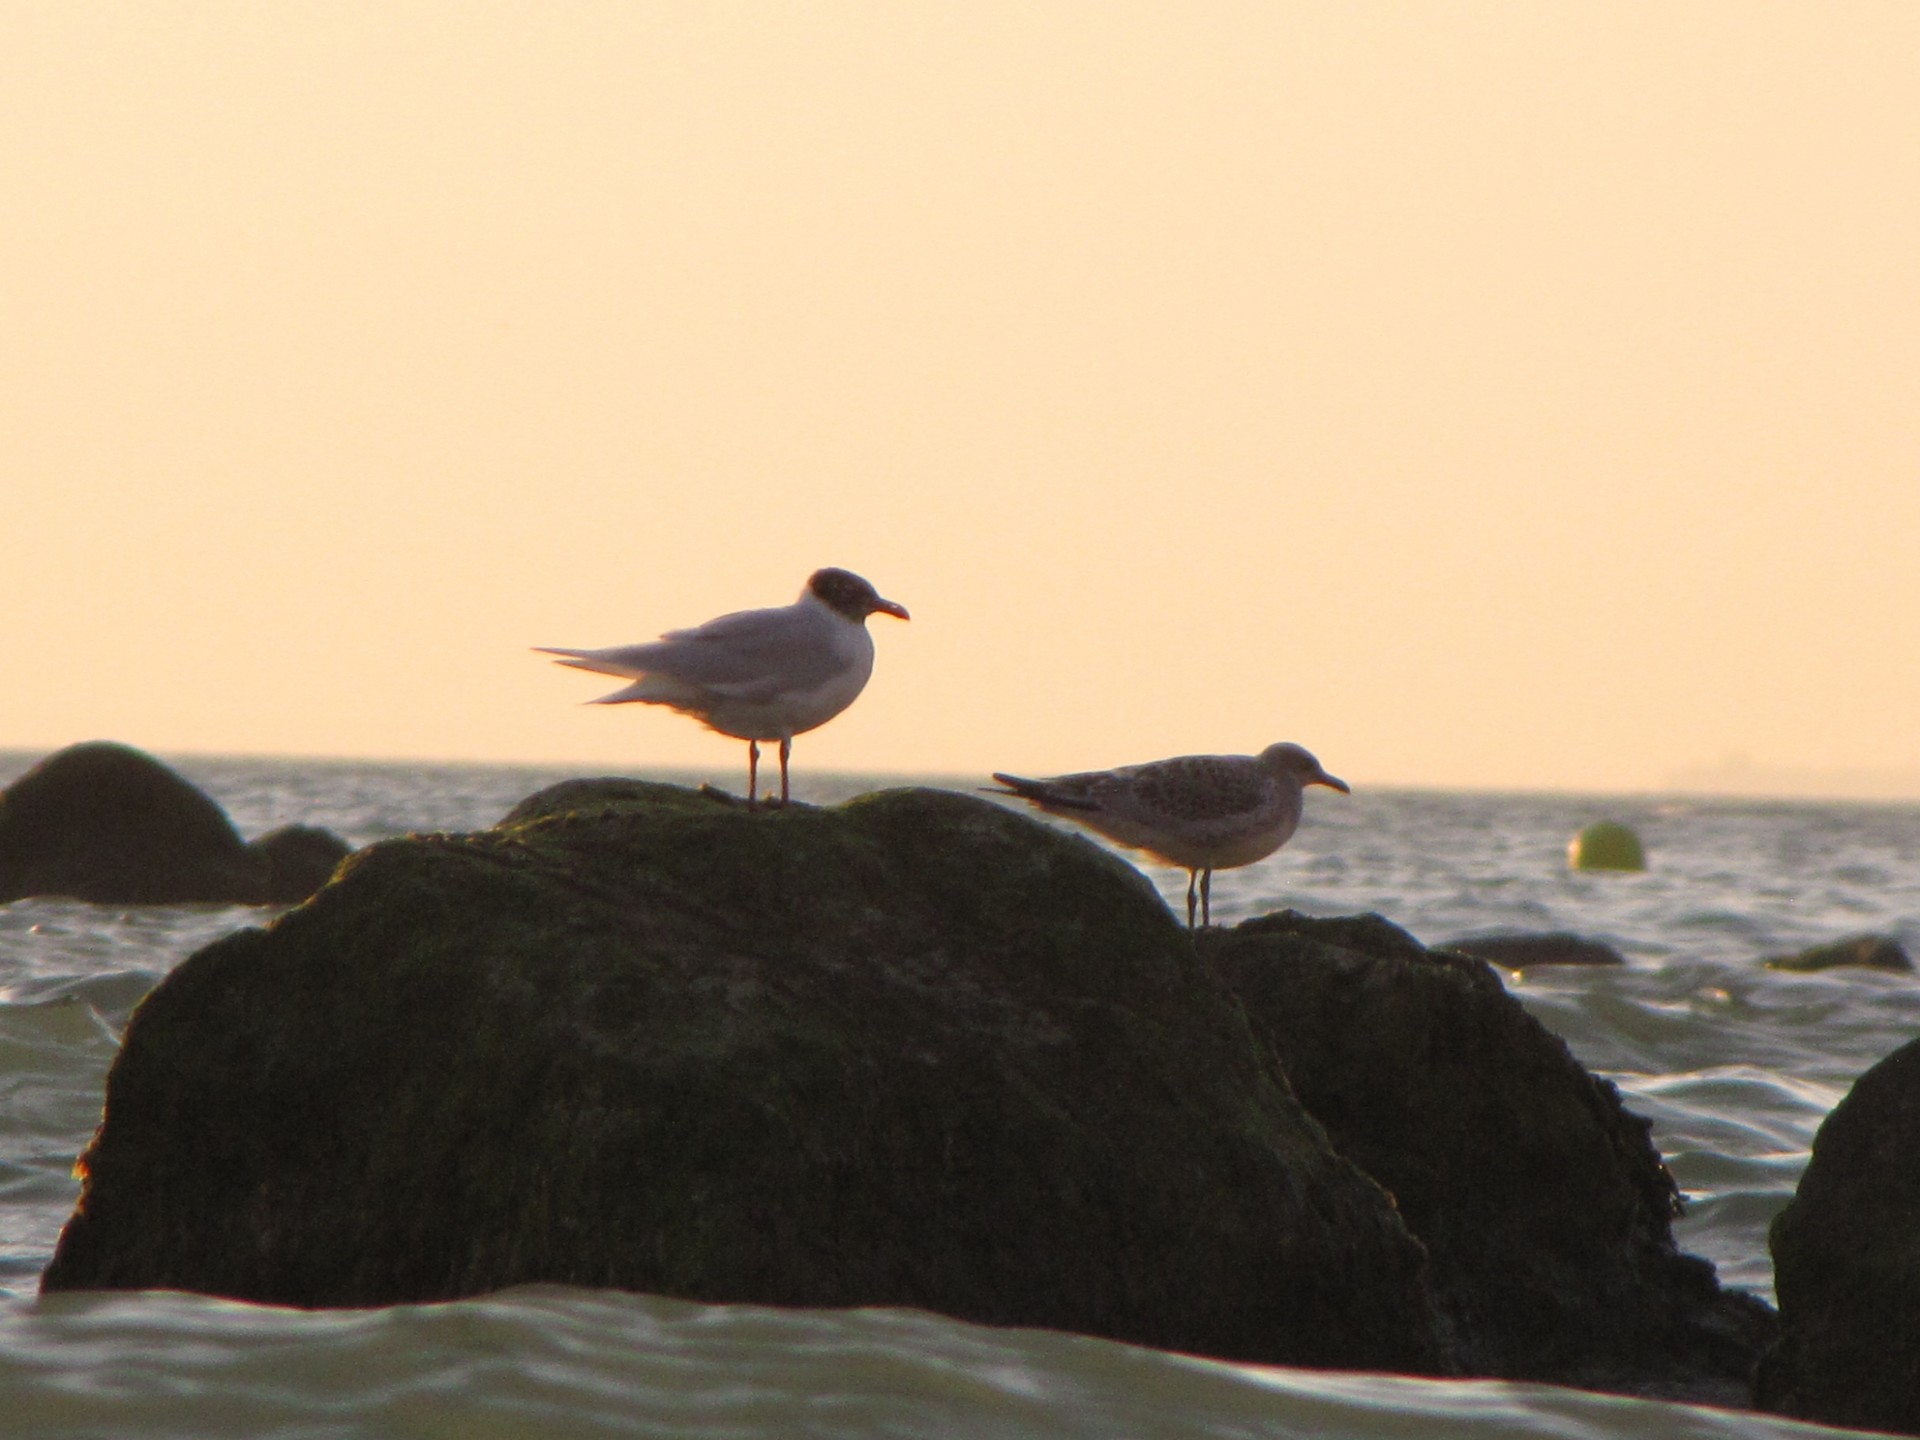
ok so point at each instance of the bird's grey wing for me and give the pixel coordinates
(749, 654)
(734, 649)
(750, 626)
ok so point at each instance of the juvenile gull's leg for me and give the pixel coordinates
(786, 749)
(753, 768)
(1192, 877)
(1206, 897)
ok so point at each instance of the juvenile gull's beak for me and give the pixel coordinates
(1332, 782)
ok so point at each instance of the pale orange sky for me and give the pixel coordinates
(1481, 394)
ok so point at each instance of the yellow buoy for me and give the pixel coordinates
(1606, 846)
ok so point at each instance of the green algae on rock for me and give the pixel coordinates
(915, 1050)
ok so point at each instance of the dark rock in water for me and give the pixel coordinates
(108, 823)
(1847, 1266)
(913, 1051)
(1544, 1206)
(1519, 951)
(297, 860)
(1874, 952)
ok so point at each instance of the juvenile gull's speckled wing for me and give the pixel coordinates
(1198, 789)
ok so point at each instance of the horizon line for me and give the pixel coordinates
(1731, 779)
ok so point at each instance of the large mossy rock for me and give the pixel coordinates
(1846, 1261)
(108, 823)
(916, 1051)
(1544, 1206)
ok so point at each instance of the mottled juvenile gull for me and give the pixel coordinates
(1200, 812)
(756, 674)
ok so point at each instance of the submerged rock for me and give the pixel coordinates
(1540, 1198)
(108, 823)
(1872, 952)
(1847, 1265)
(913, 1051)
(1518, 951)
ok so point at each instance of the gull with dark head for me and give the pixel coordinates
(756, 674)
(1200, 812)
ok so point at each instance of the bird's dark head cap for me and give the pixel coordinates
(847, 593)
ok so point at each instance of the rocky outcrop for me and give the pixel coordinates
(1847, 1266)
(1541, 1200)
(915, 1051)
(918, 1051)
(107, 823)
(1523, 950)
(1872, 952)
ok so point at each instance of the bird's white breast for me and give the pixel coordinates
(805, 706)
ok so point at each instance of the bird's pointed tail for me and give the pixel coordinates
(1039, 792)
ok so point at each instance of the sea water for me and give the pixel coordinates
(1734, 1064)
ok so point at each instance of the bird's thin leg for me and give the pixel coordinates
(1192, 876)
(1206, 898)
(786, 749)
(753, 768)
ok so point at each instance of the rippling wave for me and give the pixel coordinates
(550, 1362)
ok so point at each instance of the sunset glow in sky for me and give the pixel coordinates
(1479, 394)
